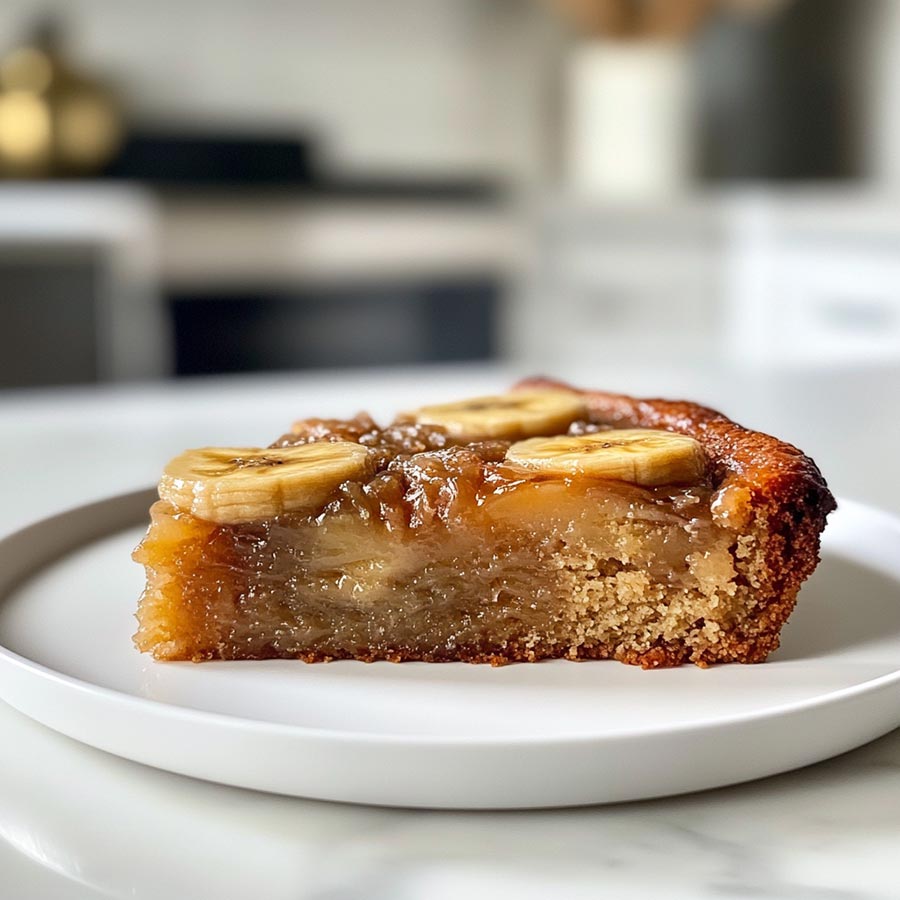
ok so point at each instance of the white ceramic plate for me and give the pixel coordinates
(453, 735)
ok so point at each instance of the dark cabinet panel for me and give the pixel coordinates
(335, 326)
(48, 322)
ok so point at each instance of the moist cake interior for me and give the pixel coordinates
(447, 552)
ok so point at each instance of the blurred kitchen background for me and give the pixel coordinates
(230, 186)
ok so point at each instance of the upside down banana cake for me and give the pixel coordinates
(546, 522)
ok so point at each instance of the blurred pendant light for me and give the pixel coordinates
(55, 120)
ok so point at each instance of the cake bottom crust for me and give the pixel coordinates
(667, 655)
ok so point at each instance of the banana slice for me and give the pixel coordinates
(508, 416)
(635, 455)
(228, 485)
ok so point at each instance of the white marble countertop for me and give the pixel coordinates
(78, 823)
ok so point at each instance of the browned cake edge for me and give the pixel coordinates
(786, 496)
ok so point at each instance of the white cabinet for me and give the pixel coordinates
(813, 281)
(755, 278)
(619, 281)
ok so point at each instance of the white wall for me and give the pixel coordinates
(400, 85)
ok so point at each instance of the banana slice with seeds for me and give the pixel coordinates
(636, 455)
(228, 485)
(510, 416)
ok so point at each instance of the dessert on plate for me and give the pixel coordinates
(548, 522)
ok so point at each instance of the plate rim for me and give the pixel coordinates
(282, 730)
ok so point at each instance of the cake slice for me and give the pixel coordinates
(547, 522)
